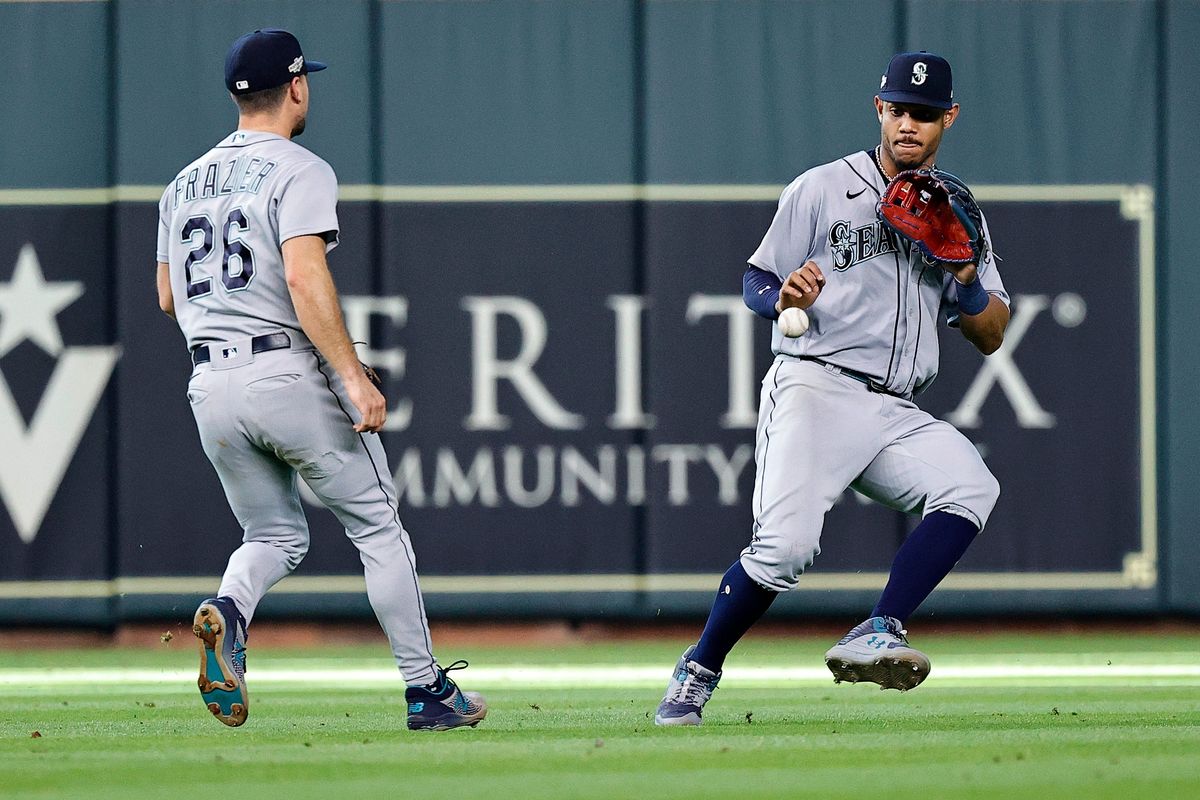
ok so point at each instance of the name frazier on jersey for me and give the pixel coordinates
(230, 176)
(850, 246)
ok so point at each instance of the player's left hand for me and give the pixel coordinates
(963, 273)
(936, 212)
(369, 402)
(801, 288)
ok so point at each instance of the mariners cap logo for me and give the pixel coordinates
(296, 65)
(920, 78)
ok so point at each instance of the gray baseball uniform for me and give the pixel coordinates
(269, 408)
(232, 209)
(821, 428)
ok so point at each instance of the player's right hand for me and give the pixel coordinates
(371, 405)
(802, 287)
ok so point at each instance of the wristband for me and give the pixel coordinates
(972, 297)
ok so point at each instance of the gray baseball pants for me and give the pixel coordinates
(819, 432)
(265, 418)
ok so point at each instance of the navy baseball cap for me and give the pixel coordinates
(921, 78)
(265, 59)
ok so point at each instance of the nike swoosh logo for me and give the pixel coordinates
(856, 194)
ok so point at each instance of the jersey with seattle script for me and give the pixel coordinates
(222, 223)
(879, 309)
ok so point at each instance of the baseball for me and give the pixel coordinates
(793, 322)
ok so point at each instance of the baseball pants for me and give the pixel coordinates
(819, 432)
(265, 418)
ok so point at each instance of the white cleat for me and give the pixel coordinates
(876, 651)
(690, 687)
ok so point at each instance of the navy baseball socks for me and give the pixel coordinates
(221, 629)
(923, 560)
(441, 705)
(740, 602)
(877, 649)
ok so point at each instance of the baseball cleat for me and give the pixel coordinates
(877, 651)
(221, 630)
(442, 705)
(690, 687)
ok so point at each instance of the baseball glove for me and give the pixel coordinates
(372, 376)
(369, 371)
(936, 212)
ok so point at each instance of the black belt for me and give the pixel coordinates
(259, 344)
(871, 384)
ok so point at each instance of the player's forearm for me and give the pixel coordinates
(986, 329)
(166, 301)
(315, 299)
(321, 319)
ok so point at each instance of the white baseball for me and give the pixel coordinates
(793, 322)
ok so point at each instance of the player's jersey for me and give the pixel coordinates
(879, 309)
(221, 225)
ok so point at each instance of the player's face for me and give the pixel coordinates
(911, 134)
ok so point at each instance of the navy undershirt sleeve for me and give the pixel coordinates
(760, 291)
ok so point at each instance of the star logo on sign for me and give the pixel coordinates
(36, 453)
(29, 305)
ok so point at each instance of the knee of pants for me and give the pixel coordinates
(377, 533)
(296, 555)
(973, 497)
(778, 565)
(293, 544)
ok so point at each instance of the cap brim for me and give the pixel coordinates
(314, 66)
(914, 99)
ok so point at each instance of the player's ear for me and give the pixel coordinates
(878, 108)
(297, 88)
(950, 115)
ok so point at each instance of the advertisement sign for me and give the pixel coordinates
(573, 390)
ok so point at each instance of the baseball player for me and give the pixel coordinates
(837, 406)
(276, 387)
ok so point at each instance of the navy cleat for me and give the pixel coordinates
(877, 651)
(690, 688)
(221, 630)
(441, 705)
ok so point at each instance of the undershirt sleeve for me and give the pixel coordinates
(760, 291)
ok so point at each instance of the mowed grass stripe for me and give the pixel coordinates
(1025, 670)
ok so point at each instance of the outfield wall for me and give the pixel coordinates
(588, 179)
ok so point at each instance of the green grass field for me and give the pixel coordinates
(1012, 716)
